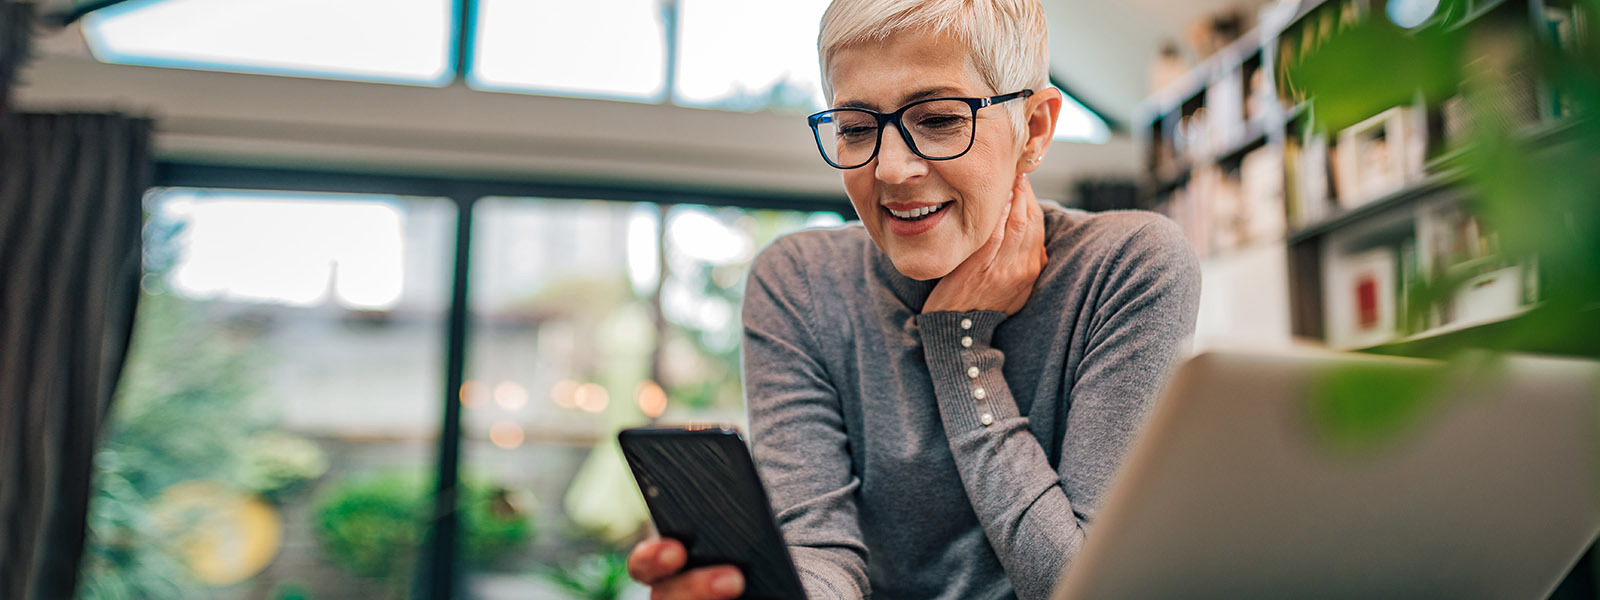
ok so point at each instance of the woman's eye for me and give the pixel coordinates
(941, 122)
(855, 133)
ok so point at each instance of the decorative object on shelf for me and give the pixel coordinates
(1362, 299)
(1167, 68)
(1379, 156)
(1210, 33)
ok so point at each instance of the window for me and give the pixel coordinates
(568, 346)
(598, 48)
(730, 54)
(281, 399)
(741, 55)
(398, 41)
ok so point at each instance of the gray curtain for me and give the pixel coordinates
(71, 187)
(16, 30)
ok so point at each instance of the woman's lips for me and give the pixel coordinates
(916, 226)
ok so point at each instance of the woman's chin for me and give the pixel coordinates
(921, 270)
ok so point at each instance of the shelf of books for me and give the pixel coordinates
(1364, 224)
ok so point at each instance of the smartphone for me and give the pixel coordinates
(702, 489)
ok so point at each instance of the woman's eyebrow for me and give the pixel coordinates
(929, 93)
(909, 98)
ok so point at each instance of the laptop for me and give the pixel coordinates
(1325, 475)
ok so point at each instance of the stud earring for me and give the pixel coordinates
(1033, 161)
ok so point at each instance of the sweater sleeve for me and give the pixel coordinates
(797, 431)
(1035, 516)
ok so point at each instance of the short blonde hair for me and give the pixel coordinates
(1008, 39)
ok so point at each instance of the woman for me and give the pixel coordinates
(939, 394)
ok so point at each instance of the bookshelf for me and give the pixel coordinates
(1349, 232)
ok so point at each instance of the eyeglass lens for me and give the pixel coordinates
(939, 129)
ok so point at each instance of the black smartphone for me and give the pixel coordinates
(702, 489)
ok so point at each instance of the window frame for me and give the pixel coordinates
(438, 574)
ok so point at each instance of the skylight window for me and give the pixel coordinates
(743, 55)
(598, 48)
(395, 41)
(730, 54)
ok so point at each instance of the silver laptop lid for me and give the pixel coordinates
(1320, 475)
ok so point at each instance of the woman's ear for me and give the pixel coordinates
(1042, 109)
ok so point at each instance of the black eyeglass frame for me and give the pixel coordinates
(894, 117)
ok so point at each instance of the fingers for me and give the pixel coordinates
(657, 563)
(1023, 203)
(656, 559)
(710, 583)
(1036, 222)
(1024, 211)
(996, 241)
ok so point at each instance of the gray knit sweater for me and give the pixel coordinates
(891, 474)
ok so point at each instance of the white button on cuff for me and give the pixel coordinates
(979, 393)
(987, 419)
(972, 372)
(966, 323)
(966, 342)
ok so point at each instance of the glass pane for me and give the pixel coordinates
(273, 435)
(568, 347)
(598, 48)
(1077, 123)
(740, 55)
(399, 41)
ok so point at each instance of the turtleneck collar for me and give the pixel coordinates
(910, 292)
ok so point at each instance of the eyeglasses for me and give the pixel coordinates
(934, 129)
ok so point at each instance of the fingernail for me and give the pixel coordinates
(728, 585)
(668, 556)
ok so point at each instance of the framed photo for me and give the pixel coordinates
(1362, 299)
(1373, 157)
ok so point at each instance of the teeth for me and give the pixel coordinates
(916, 213)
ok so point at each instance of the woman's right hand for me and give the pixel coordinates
(658, 563)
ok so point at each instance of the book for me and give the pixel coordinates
(1261, 175)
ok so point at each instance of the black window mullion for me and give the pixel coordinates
(440, 579)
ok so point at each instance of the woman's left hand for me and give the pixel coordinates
(1000, 275)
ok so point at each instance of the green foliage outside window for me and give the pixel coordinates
(180, 415)
(374, 524)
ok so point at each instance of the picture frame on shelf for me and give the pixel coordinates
(1362, 299)
(1377, 157)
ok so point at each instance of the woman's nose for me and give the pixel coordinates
(896, 162)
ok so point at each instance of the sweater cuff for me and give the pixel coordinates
(824, 578)
(966, 368)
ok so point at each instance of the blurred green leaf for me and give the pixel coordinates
(594, 577)
(1367, 407)
(1374, 65)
